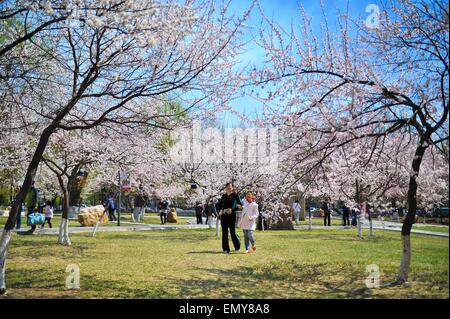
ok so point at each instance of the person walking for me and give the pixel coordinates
(354, 217)
(19, 215)
(164, 211)
(199, 212)
(140, 202)
(346, 215)
(48, 214)
(209, 212)
(229, 204)
(31, 200)
(110, 206)
(296, 207)
(247, 222)
(326, 213)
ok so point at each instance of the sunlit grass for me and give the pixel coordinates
(189, 264)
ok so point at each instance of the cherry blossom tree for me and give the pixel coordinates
(104, 65)
(363, 82)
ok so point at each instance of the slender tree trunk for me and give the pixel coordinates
(358, 220)
(402, 277)
(4, 242)
(303, 207)
(11, 221)
(217, 226)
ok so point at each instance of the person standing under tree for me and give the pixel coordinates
(164, 211)
(199, 212)
(229, 204)
(140, 202)
(31, 200)
(48, 214)
(209, 211)
(326, 213)
(111, 207)
(19, 216)
(296, 207)
(346, 215)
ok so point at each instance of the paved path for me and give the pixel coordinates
(128, 226)
(389, 226)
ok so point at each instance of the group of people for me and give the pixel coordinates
(32, 204)
(138, 212)
(209, 209)
(347, 213)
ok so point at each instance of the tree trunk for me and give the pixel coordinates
(6, 238)
(76, 184)
(358, 220)
(303, 207)
(217, 226)
(402, 277)
(11, 221)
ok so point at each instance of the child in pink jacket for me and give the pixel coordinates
(247, 222)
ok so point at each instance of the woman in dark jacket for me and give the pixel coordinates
(229, 204)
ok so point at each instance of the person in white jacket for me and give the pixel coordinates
(247, 221)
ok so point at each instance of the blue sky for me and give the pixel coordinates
(283, 12)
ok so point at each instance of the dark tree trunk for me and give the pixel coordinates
(29, 177)
(75, 185)
(411, 214)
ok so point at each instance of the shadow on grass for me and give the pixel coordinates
(304, 234)
(164, 235)
(271, 280)
(215, 252)
(276, 280)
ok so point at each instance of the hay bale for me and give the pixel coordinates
(88, 216)
(172, 216)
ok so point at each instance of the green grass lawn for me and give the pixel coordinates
(189, 264)
(432, 228)
(318, 221)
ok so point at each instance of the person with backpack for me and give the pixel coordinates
(229, 204)
(110, 206)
